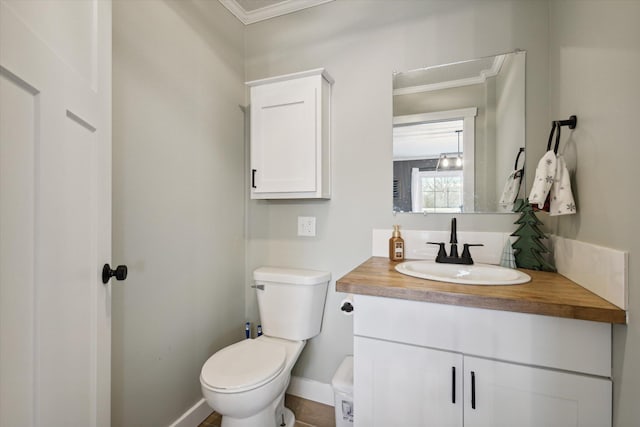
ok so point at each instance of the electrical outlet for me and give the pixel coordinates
(307, 226)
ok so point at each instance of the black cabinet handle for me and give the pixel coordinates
(453, 384)
(253, 178)
(107, 273)
(473, 390)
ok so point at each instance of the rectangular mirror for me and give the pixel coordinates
(458, 130)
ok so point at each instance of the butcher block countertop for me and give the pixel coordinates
(549, 294)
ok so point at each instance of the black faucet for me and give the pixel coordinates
(453, 257)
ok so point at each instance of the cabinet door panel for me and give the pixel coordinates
(508, 395)
(284, 137)
(404, 385)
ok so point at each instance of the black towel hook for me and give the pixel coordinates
(557, 124)
(520, 151)
(555, 147)
(554, 124)
(572, 122)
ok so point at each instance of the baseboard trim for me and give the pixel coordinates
(311, 390)
(194, 415)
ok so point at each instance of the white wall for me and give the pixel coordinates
(594, 63)
(178, 201)
(361, 43)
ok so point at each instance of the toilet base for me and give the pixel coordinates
(274, 415)
(289, 418)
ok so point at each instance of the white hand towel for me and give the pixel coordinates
(561, 200)
(545, 173)
(511, 189)
(508, 259)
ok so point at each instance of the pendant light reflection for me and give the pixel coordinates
(445, 162)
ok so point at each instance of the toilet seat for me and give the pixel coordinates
(243, 366)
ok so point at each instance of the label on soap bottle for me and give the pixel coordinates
(398, 252)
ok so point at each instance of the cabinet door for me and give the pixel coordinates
(507, 395)
(285, 136)
(404, 385)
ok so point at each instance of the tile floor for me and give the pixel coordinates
(308, 414)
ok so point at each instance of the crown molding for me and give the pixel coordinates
(482, 77)
(271, 11)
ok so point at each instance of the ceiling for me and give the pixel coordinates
(250, 11)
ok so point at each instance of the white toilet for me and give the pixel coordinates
(246, 381)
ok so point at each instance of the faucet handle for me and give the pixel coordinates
(442, 253)
(466, 254)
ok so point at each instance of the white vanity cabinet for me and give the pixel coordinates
(509, 394)
(290, 136)
(425, 364)
(404, 385)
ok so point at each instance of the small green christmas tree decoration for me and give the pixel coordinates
(528, 248)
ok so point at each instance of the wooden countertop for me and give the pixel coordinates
(549, 294)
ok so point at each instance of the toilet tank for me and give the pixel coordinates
(291, 301)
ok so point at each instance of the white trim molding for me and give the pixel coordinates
(436, 116)
(311, 390)
(479, 79)
(297, 75)
(194, 415)
(271, 11)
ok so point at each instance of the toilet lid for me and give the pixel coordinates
(243, 366)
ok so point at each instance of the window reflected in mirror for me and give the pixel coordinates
(428, 161)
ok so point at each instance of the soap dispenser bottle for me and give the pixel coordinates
(396, 245)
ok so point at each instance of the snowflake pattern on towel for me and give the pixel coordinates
(544, 178)
(562, 202)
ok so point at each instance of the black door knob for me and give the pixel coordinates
(120, 272)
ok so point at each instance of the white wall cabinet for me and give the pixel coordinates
(290, 136)
(424, 364)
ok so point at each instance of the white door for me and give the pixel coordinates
(405, 385)
(506, 395)
(55, 212)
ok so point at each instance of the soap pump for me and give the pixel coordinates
(396, 245)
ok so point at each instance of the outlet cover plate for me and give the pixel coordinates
(307, 226)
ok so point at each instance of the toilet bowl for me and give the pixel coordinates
(246, 381)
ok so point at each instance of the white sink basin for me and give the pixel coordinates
(476, 274)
